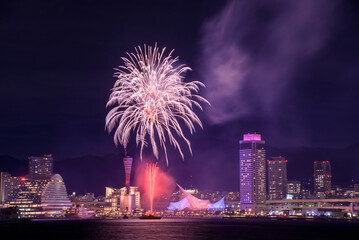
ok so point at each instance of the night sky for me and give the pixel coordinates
(285, 69)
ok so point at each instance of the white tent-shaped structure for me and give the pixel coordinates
(194, 203)
(218, 205)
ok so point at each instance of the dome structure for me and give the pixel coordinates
(41, 196)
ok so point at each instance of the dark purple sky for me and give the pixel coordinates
(286, 69)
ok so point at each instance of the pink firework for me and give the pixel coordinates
(151, 174)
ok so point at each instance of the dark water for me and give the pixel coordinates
(181, 229)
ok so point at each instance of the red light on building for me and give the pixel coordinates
(23, 179)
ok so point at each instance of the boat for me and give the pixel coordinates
(150, 216)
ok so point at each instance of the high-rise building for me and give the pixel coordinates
(277, 178)
(8, 184)
(4, 183)
(293, 189)
(322, 178)
(41, 165)
(252, 173)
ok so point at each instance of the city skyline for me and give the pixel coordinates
(160, 119)
(186, 179)
(254, 172)
(306, 105)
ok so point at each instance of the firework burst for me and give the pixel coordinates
(150, 97)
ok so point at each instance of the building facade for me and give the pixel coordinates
(41, 165)
(293, 189)
(277, 178)
(118, 200)
(8, 184)
(41, 196)
(322, 179)
(252, 173)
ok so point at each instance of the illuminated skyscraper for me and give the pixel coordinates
(41, 165)
(277, 178)
(322, 178)
(252, 173)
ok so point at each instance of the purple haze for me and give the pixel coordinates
(252, 51)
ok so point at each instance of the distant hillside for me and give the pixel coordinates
(81, 174)
(13, 166)
(94, 173)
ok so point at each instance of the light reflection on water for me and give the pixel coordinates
(180, 229)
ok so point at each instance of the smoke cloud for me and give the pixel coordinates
(252, 50)
(164, 184)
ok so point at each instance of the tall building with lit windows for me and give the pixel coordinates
(322, 178)
(8, 184)
(293, 189)
(41, 165)
(252, 173)
(277, 178)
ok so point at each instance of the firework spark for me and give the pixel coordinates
(149, 97)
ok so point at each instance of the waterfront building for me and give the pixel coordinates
(119, 200)
(293, 189)
(8, 184)
(277, 178)
(112, 200)
(130, 201)
(87, 197)
(41, 165)
(41, 196)
(314, 207)
(252, 173)
(322, 178)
